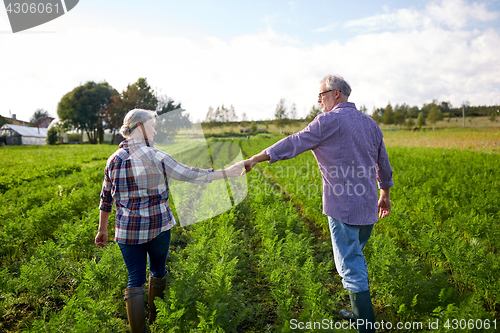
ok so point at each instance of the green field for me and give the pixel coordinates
(268, 260)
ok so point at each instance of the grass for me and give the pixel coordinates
(485, 139)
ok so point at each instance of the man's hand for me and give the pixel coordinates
(384, 203)
(255, 159)
(248, 164)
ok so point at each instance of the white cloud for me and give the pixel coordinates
(455, 14)
(401, 19)
(451, 14)
(329, 27)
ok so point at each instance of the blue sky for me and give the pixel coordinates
(252, 53)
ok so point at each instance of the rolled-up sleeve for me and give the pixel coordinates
(384, 169)
(295, 144)
(182, 172)
(106, 203)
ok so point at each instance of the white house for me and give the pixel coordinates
(23, 135)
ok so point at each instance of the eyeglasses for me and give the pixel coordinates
(320, 95)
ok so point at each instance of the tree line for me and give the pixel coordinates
(226, 116)
(404, 115)
(95, 107)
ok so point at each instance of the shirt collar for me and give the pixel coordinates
(343, 105)
(135, 143)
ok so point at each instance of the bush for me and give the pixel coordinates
(74, 137)
(51, 136)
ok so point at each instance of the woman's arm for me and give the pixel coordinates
(102, 234)
(234, 170)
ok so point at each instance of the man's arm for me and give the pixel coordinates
(252, 161)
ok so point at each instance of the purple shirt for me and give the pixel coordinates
(351, 155)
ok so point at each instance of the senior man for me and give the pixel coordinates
(351, 155)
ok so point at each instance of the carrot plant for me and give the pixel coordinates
(436, 254)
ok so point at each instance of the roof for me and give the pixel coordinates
(49, 119)
(27, 131)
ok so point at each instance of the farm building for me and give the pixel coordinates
(23, 135)
(15, 121)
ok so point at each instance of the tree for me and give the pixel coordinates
(445, 108)
(293, 116)
(169, 122)
(114, 113)
(138, 95)
(51, 136)
(413, 112)
(428, 106)
(315, 110)
(281, 114)
(218, 116)
(410, 123)
(60, 129)
(363, 109)
(253, 127)
(231, 117)
(388, 117)
(434, 115)
(375, 115)
(38, 115)
(399, 115)
(493, 114)
(3, 121)
(82, 108)
(420, 120)
(244, 120)
(210, 119)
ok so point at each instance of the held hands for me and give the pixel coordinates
(234, 170)
(255, 159)
(248, 164)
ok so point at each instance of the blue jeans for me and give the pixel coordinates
(135, 257)
(348, 242)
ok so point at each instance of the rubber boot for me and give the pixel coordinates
(362, 308)
(155, 289)
(134, 301)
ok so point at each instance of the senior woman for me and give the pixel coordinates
(136, 178)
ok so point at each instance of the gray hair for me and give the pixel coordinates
(134, 117)
(336, 82)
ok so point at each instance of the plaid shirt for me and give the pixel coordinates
(136, 178)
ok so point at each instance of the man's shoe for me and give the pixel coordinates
(362, 308)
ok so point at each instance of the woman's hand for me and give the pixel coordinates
(234, 170)
(101, 238)
(102, 233)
